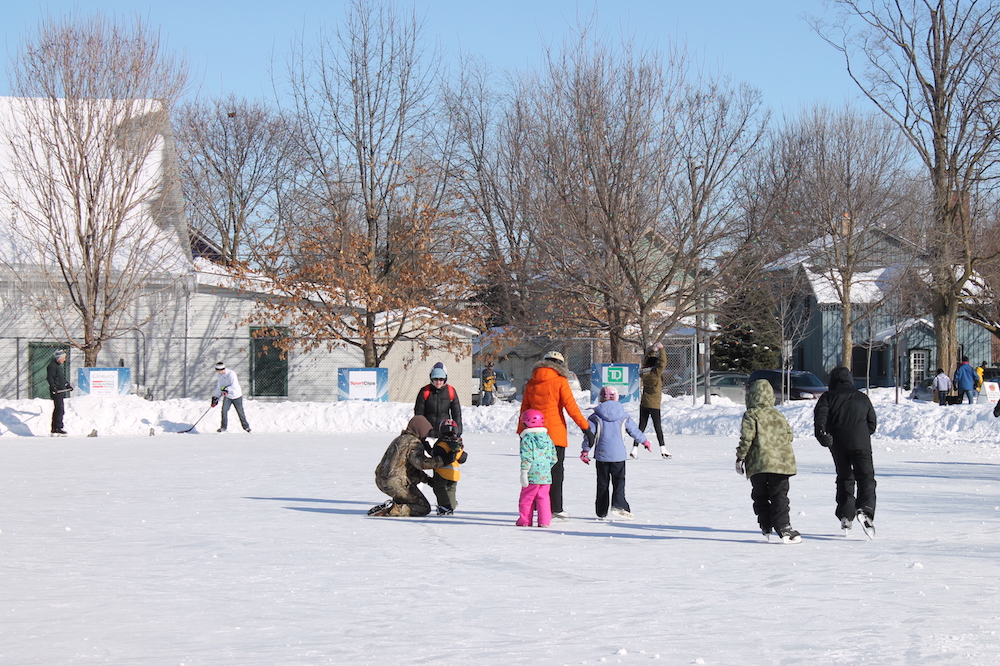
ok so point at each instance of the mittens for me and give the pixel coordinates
(524, 478)
(739, 467)
(584, 457)
(649, 447)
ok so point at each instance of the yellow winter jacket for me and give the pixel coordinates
(443, 449)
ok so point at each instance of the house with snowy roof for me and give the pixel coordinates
(892, 344)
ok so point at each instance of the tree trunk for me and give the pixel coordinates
(846, 337)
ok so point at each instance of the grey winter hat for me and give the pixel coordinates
(60, 353)
(220, 366)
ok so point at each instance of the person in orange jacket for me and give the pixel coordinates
(548, 391)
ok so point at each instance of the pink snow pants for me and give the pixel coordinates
(535, 497)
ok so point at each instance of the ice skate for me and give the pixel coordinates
(664, 453)
(846, 524)
(561, 515)
(442, 511)
(634, 453)
(381, 509)
(602, 519)
(788, 535)
(866, 524)
(622, 514)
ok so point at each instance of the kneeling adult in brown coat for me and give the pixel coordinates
(400, 472)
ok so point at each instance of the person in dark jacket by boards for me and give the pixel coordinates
(438, 400)
(59, 390)
(844, 421)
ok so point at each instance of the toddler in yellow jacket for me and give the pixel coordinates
(445, 482)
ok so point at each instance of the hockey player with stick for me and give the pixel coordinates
(227, 387)
(59, 390)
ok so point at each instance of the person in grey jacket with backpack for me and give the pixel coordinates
(610, 423)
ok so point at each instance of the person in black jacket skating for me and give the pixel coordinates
(59, 389)
(844, 421)
(438, 400)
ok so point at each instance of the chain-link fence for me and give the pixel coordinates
(517, 360)
(182, 367)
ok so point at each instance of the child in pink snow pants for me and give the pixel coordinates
(538, 455)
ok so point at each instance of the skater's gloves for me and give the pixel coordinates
(739, 467)
(649, 447)
(584, 457)
(824, 438)
(589, 434)
(215, 401)
(524, 478)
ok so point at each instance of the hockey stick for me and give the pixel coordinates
(199, 419)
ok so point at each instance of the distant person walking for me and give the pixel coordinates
(548, 391)
(844, 421)
(487, 385)
(942, 384)
(227, 387)
(59, 390)
(965, 380)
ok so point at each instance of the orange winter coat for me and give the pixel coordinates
(548, 391)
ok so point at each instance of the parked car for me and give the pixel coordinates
(731, 385)
(504, 389)
(803, 385)
(924, 391)
(725, 384)
(574, 382)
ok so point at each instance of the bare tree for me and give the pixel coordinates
(235, 159)
(931, 66)
(95, 218)
(850, 202)
(497, 178)
(636, 162)
(367, 257)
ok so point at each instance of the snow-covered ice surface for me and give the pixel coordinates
(210, 548)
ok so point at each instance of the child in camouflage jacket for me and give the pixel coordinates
(765, 455)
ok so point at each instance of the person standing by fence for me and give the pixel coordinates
(59, 390)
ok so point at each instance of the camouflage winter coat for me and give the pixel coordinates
(400, 469)
(765, 436)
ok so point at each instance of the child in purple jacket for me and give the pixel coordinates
(610, 422)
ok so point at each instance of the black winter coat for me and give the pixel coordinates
(55, 373)
(437, 405)
(844, 418)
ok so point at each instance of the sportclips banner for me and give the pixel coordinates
(623, 376)
(364, 384)
(103, 381)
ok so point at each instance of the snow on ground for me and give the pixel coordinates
(255, 549)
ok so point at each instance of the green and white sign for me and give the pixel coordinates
(623, 376)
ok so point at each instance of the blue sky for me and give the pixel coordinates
(230, 44)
